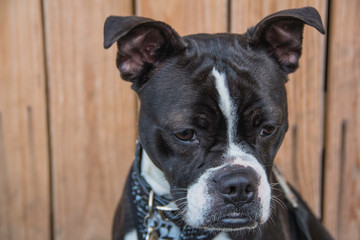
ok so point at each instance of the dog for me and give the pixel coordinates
(213, 114)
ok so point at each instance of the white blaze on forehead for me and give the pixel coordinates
(225, 103)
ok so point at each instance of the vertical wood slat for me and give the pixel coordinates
(187, 16)
(342, 158)
(24, 169)
(300, 156)
(92, 115)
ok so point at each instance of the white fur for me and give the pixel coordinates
(198, 199)
(225, 103)
(154, 176)
(131, 235)
(221, 236)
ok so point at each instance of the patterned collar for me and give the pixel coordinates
(155, 217)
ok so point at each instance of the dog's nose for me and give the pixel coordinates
(238, 187)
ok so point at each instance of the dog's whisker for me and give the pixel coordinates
(271, 219)
(277, 201)
(180, 199)
(272, 185)
(180, 202)
(181, 205)
(179, 192)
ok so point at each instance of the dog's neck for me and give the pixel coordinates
(154, 176)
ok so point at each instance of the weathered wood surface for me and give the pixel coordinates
(342, 157)
(92, 115)
(187, 16)
(24, 162)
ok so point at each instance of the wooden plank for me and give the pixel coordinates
(24, 163)
(342, 161)
(93, 115)
(300, 156)
(187, 16)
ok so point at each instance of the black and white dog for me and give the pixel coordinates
(213, 115)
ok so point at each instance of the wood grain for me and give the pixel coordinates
(93, 118)
(24, 168)
(342, 162)
(187, 16)
(300, 156)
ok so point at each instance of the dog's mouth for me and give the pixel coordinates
(238, 224)
(233, 222)
(236, 219)
(226, 220)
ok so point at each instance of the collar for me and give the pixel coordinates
(156, 216)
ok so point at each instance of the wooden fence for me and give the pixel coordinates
(68, 123)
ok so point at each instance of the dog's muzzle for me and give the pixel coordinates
(231, 197)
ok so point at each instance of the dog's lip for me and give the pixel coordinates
(233, 223)
(236, 220)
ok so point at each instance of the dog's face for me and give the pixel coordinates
(214, 127)
(213, 110)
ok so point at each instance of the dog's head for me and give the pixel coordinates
(213, 109)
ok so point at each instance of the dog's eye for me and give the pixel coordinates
(186, 135)
(268, 130)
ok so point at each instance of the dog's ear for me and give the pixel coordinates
(281, 35)
(142, 44)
